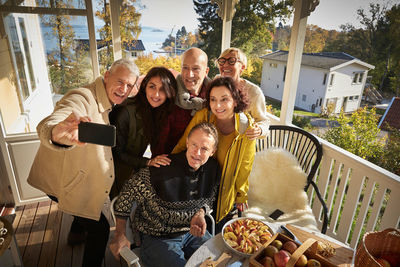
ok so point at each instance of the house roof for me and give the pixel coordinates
(391, 117)
(324, 60)
(134, 45)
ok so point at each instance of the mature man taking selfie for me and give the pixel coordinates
(76, 175)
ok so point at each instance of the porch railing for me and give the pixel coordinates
(360, 196)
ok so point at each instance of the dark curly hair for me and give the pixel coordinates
(155, 118)
(238, 96)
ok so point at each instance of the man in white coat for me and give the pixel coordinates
(79, 176)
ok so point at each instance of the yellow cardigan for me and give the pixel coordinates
(238, 161)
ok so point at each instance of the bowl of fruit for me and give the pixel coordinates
(245, 236)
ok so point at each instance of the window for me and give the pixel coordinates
(273, 65)
(351, 98)
(325, 76)
(355, 78)
(277, 86)
(304, 98)
(284, 73)
(331, 81)
(356, 97)
(360, 78)
(134, 54)
(320, 101)
(27, 53)
(19, 57)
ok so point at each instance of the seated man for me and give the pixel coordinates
(172, 201)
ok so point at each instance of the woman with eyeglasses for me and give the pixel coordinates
(235, 151)
(138, 122)
(231, 63)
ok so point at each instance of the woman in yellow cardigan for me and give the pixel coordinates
(235, 152)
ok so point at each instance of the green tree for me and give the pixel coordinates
(358, 134)
(391, 156)
(129, 28)
(252, 26)
(375, 42)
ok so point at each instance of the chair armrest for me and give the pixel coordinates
(130, 257)
(208, 214)
(324, 208)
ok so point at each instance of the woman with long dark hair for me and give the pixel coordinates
(138, 123)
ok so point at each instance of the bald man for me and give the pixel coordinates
(192, 87)
(193, 80)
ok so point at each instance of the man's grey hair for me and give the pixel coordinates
(127, 63)
(207, 128)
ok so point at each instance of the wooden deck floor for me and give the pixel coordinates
(41, 231)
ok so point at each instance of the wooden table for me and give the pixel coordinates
(344, 254)
(214, 247)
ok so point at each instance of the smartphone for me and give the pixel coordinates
(276, 214)
(96, 133)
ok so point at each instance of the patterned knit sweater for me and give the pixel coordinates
(168, 197)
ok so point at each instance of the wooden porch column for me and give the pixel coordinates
(92, 39)
(303, 8)
(226, 11)
(116, 34)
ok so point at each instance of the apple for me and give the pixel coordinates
(277, 243)
(301, 262)
(270, 251)
(281, 258)
(289, 246)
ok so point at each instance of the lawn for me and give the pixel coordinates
(277, 106)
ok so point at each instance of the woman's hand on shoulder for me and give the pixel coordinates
(160, 160)
(253, 132)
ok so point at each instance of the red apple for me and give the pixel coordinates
(281, 258)
(289, 246)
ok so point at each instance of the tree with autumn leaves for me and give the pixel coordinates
(67, 64)
(129, 28)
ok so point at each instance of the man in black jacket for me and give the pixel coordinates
(172, 201)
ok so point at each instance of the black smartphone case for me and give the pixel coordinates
(96, 133)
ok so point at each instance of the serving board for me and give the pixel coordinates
(343, 256)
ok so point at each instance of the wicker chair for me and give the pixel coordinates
(307, 150)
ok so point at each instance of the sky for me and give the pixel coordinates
(329, 14)
(167, 13)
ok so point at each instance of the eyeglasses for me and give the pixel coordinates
(231, 61)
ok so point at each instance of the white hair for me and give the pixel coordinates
(129, 64)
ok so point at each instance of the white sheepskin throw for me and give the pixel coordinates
(277, 182)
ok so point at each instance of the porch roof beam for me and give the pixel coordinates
(92, 39)
(115, 7)
(43, 10)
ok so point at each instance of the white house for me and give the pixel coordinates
(328, 78)
(133, 49)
